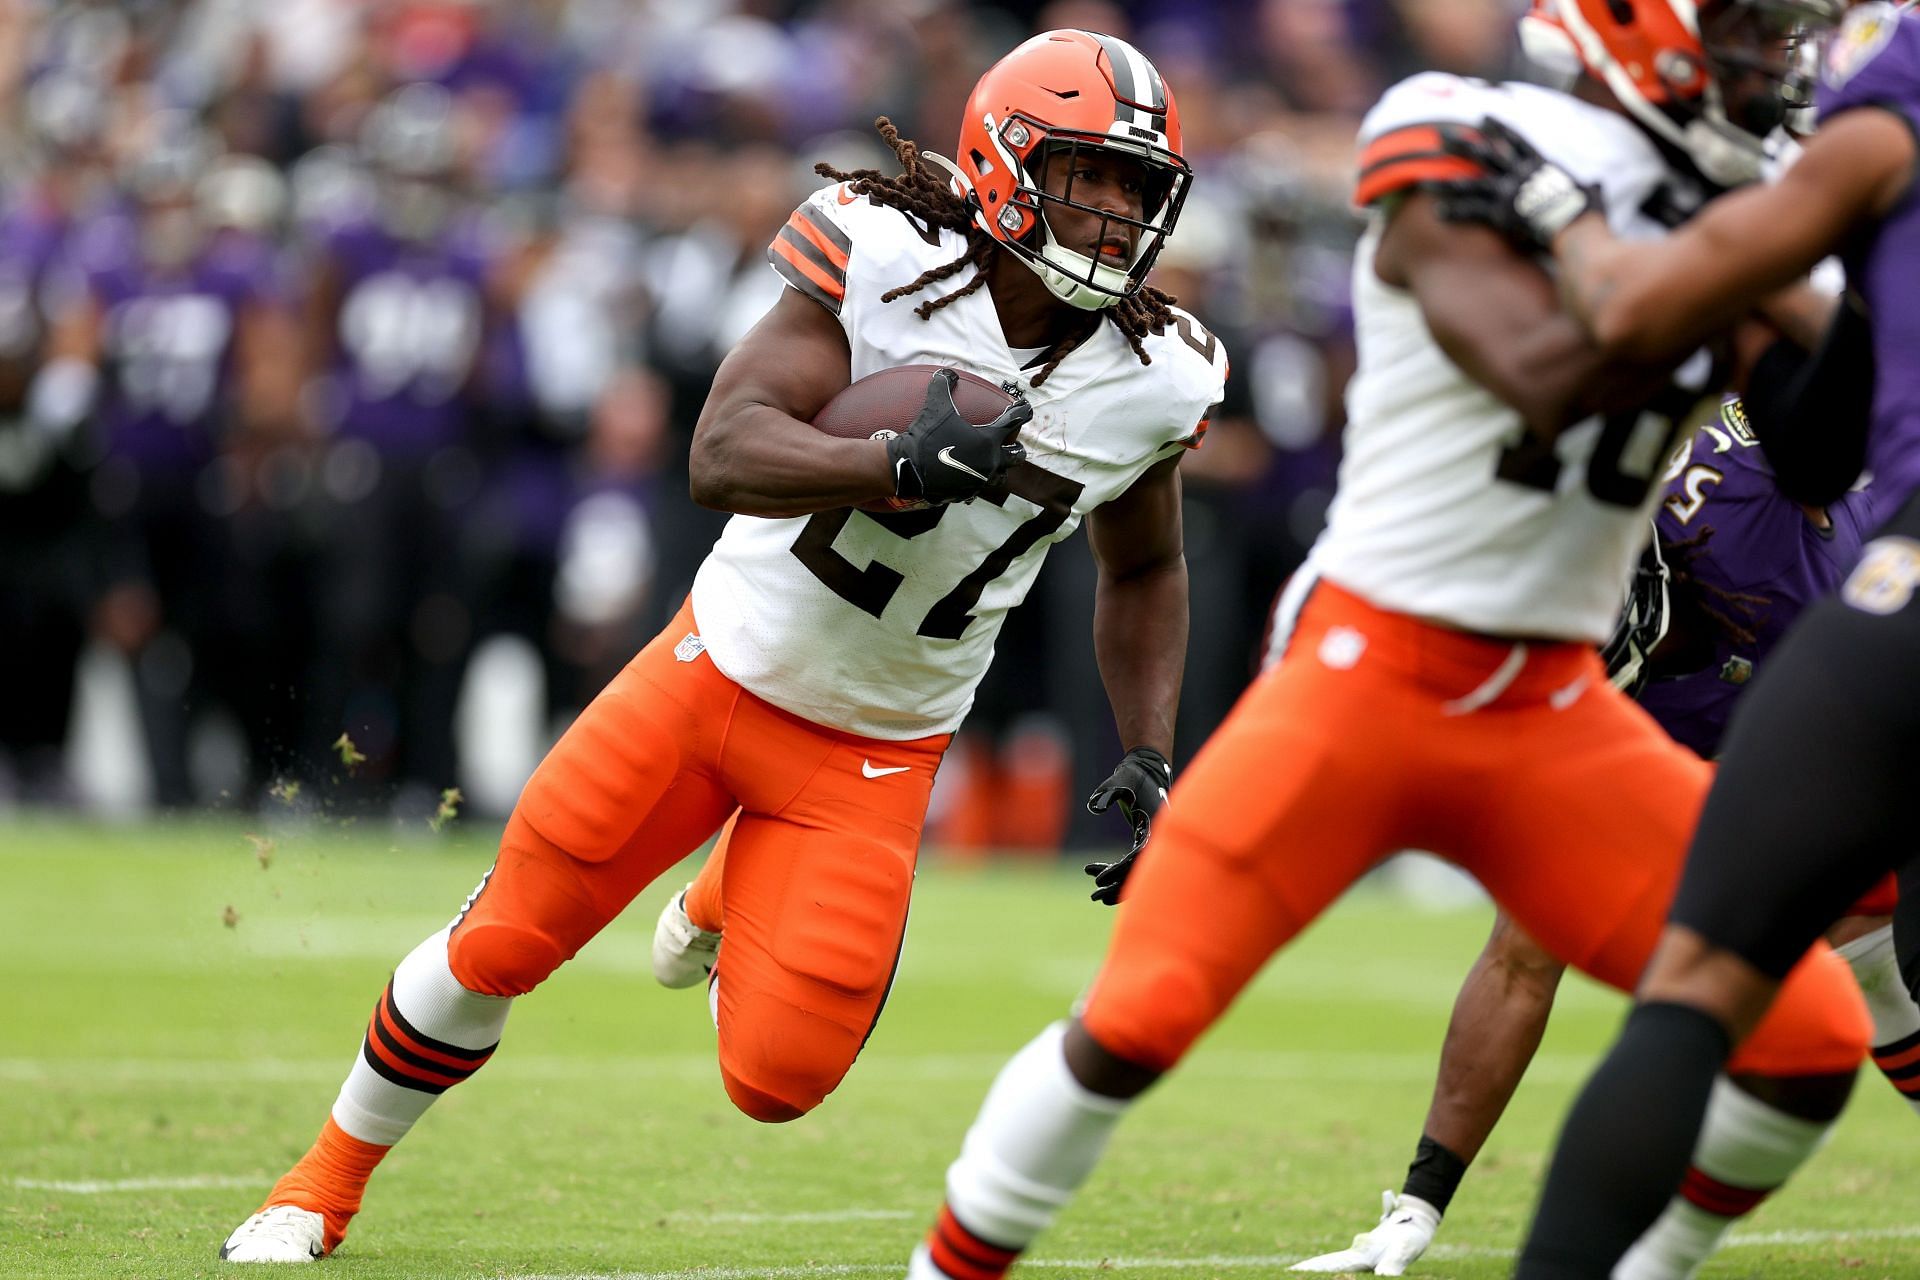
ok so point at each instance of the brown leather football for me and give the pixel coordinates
(884, 404)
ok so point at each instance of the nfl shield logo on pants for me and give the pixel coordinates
(690, 648)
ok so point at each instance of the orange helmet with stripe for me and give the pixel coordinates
(1071, 90)
(1674, 63)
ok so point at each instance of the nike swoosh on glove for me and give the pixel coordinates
(942, 458)
(1138, 785)
(1407, 1226)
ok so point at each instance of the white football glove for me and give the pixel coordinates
(1407, 1224)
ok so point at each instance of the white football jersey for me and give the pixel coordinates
(882, 625)
(1442, 511)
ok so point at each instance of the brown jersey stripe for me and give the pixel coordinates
(821, 232)
(804, 276)
(790, 235)
(1403, 173)
(427, 1044)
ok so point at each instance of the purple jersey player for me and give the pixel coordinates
(167, 333)
(403, 319)
(1760, 556)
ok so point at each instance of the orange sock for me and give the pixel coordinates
(329, 1179)
(703, 895)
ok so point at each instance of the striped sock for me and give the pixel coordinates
(956, 1253)
(427, 1034)
(1896, 1019)
(1746, 1151)
(1038, 1135)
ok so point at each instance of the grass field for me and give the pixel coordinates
(177, 1017)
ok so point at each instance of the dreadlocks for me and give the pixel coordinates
(921, 192)
(1733, 613)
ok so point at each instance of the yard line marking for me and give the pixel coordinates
(822, 1215)
(102, 1186)
(1234, 1064)
(224, 1181)
(1224, 1262)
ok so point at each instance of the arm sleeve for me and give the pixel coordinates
(1811, 410)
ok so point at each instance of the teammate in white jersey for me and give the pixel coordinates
(1439, 689)
(805, 694)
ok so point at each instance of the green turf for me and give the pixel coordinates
(144, 1037)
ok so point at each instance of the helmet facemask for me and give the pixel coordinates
(1083, 280)
(1709, 79)
(1758, 58)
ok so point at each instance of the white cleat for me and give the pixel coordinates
(278, 1233)
(683, 952)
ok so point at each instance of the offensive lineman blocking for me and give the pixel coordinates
(1440, 689)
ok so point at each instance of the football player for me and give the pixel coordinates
(171, 330)
(1735, 561)
(1440, 687)
(1810, 802)
(806, 691)
(397, 311)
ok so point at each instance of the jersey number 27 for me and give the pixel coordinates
(872, 588)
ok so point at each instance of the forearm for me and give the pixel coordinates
(761, 462)
(1650, 300)
(1801, 313)
(1498, 1019)
(1140, 644)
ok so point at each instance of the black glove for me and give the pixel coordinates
(1524, 196)
(942, 458)
(1139, 785)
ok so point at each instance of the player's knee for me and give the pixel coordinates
(1818, 1026)
(780, 1060)
(501, 958)
(1149, 1017)
(775, 1104)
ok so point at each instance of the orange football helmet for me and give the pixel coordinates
(1065, 90)
(1671, 63)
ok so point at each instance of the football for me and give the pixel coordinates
(881, 405)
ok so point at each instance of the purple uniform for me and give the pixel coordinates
(1874, 61)
(410, 325)
(1763, 544)
(31, 234)
(167, 338)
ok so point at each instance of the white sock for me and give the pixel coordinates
(1037, 1137)
(1746, 1150)
(1896, 1019)
(444, 1016)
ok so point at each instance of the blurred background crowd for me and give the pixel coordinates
(350, 350)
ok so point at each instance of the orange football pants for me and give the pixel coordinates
(819, 862)
(1379, 732)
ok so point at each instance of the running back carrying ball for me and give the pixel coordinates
(935, 459)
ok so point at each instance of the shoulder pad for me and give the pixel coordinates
(1400, 145)
(836, 231)
(812, 251)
